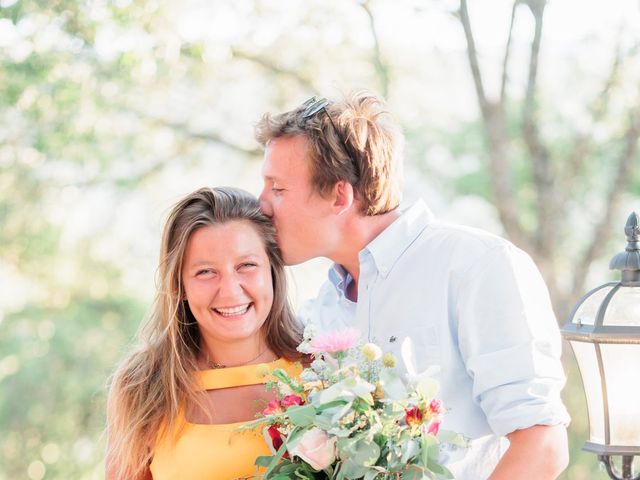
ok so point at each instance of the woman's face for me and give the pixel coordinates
(227, 280)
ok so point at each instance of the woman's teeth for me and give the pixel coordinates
(227, 312)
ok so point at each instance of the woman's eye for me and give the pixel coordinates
(277, 190)
(204, 271)
(248, 265)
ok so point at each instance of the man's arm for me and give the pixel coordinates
(538, 452)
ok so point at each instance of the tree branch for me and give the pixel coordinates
(603, 229)
(185, 130)
(305, 82)
(538, 151)
(507, 51)
(208, 137)
(583, 144)
(492, 113)
(473, 59)
(381, 69)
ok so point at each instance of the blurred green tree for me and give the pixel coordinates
(105, 106)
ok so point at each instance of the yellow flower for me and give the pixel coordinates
(389, 360)
(371, 351)
(316, 384)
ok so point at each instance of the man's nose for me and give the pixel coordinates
(265, 204)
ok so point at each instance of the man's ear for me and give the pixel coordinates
(343, 196)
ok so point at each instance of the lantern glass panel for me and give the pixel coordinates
(585, 353)
(621, 364)
(624, 308)
(587, 311)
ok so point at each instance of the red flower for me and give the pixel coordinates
(273, 407)
(276, 438)
(291, 400)
(413, 416)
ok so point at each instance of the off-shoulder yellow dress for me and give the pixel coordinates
(219, 451)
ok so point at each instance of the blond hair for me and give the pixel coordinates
(353, 140)
(156, 380)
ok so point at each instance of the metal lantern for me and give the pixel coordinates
(604, 333)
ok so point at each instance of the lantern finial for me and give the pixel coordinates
(628, 262)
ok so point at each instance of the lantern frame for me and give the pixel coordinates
(599, 333)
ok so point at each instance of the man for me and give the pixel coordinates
(471, 302)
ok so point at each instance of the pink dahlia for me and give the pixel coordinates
(333, 342)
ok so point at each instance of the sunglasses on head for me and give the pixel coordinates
(316, 104)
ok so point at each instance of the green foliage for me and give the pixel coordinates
(73, 117)
(55, 365)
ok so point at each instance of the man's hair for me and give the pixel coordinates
(354, 140)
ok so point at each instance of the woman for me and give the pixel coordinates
(220, 314)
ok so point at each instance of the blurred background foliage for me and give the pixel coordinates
(521, 118)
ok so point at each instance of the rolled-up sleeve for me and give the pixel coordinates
(510, 342)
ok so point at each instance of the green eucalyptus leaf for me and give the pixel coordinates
(275, 459)
(263, 460)
(410, 450)
(452, 438)
(415, 472)
(440, 470)
(302, 415)
(394, 387)
(353, 470)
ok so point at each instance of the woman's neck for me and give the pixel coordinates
(234, 354)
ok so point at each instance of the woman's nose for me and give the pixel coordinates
(230, 286)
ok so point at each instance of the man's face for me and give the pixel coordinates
(303, 219)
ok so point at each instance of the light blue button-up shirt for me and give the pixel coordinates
(473, 304)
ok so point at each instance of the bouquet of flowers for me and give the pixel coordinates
(350, 415)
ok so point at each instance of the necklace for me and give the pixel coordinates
(215, 365)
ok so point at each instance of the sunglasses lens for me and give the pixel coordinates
(313, 106)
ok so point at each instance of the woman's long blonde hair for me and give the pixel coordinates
(156, 379)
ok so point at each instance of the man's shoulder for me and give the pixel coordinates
(418, 223)
(444, 236)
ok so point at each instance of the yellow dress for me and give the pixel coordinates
(216, 452)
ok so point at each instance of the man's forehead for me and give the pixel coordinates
(285, 156)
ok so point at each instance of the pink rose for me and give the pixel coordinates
(316, 448)
(272, 407)
(291, 400)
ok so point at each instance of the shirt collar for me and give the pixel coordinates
(339, 277)
(387, 247)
